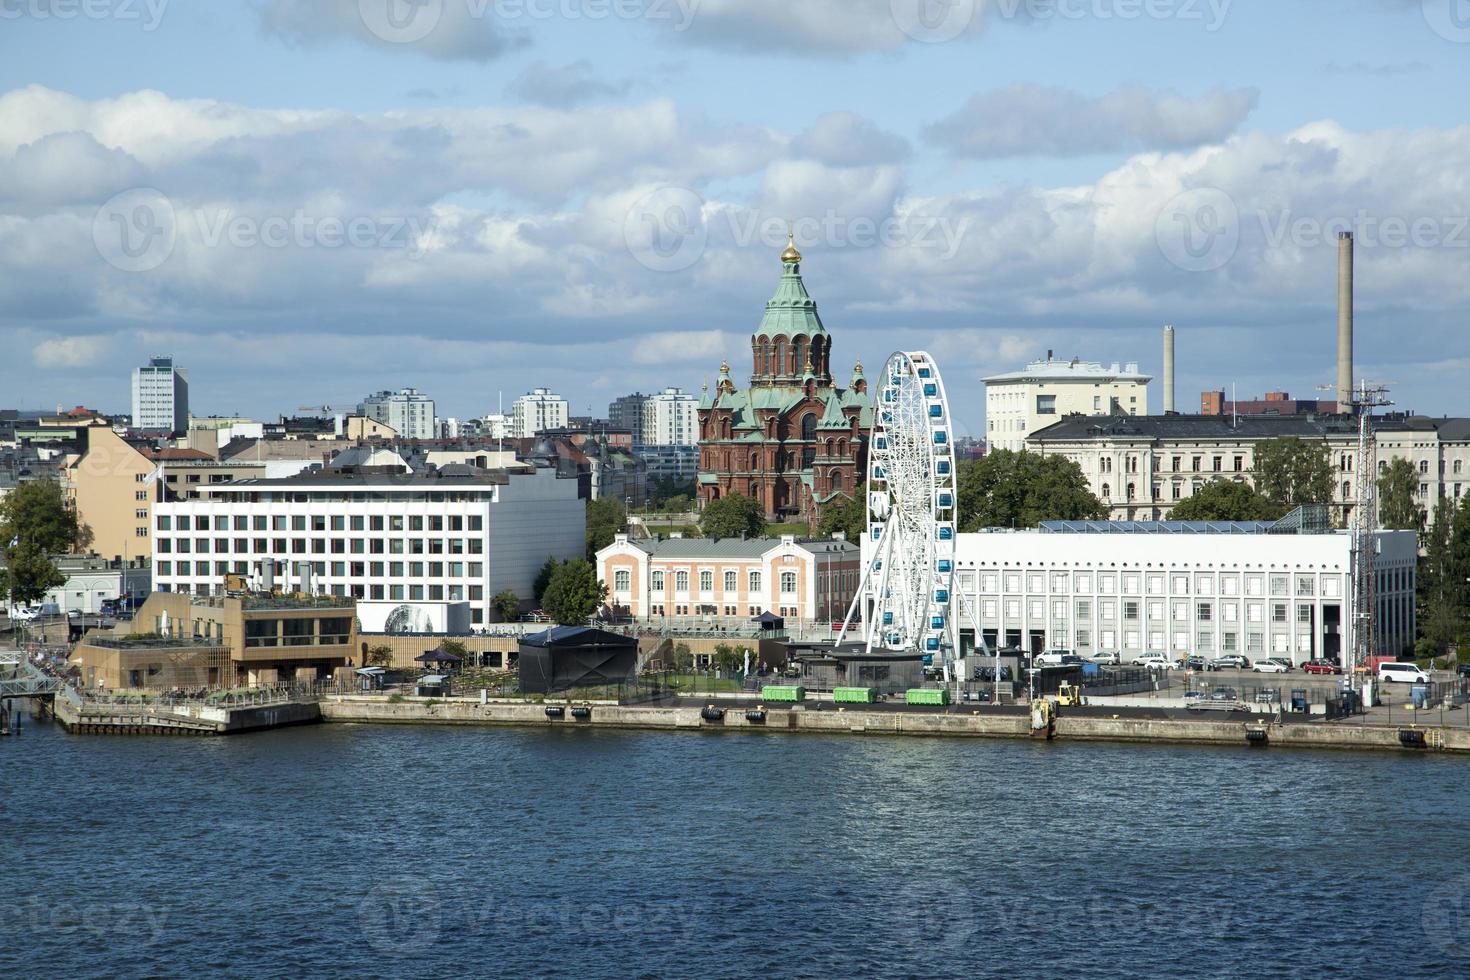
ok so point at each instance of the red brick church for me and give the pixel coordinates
(792, 439)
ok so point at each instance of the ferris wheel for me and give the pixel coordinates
(907, 591)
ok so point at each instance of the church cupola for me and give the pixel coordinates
(791, 341)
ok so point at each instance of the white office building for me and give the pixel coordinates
(433, 537)
(538, 411)
(161, 396)
(1020, 402)
(670, 418)
(1176, 588)
(408, 412)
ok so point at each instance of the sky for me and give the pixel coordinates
(305, 202)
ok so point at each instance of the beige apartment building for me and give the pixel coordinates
(113, 484)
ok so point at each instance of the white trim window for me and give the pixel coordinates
(622, 580)
(788, 583)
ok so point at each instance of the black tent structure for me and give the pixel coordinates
(565, 657)
(440, 657)
(770, 622)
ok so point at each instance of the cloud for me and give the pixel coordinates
(682, 347)
(566, 86)
(828, 28)
(65, 353)
(1026, 119)
(843, 139)
(1377, 70)
(447, 30)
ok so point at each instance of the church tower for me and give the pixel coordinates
(791, 335)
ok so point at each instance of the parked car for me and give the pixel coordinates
(1072, 660)
(1055, 658)
(1402, 674)
(1108, 659)
(1321, 667)
(1193, 661)
(23, 614)
(1230, 661)
(1154, 661)
(1463, 670)
(1272, 665)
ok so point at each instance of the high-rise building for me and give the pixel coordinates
(538, 411)
(408, 412)
(161, 396)
(627, 413)
(670, 418)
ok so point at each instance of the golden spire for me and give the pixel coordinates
(791, 254)
(858, 367)
(808, 360)
(724, 367)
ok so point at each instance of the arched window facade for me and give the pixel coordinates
(809, 425)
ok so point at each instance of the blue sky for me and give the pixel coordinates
(1031, 177)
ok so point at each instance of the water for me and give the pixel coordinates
(378, 851)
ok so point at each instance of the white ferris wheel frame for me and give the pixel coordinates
(906, 600)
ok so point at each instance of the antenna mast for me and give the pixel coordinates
(1366, 398)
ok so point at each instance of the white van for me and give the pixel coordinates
(1402, 674)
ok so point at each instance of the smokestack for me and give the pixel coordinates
(1168, 369)
(1344, 321)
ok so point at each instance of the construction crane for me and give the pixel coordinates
(1368, 395)
(337, 412)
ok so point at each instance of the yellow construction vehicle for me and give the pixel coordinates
(1069, 694)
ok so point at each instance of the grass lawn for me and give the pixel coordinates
(800, 529)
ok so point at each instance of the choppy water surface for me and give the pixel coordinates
(356, 850)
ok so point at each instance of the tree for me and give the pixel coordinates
(729, 657)
(1011, 489)
(29, 573)
(732, 517)
(1398, 486)
(457, 648)
(605, 518)
(574, 592)
(507, 605)
(35, 524)
(378, 656)
(543, 579)
(1441, 576)
(683, 657)
(1292, 471)
(1225, 500)
(846, 514)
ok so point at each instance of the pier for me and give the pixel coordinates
(124, 715)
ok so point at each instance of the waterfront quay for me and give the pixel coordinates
(1431, 731)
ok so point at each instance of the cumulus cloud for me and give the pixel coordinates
(448, 30)
(564, 86)
(844, 139)
(65, 353)
(507, 250)
(1025, 119)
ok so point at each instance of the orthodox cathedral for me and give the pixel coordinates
(792, 440)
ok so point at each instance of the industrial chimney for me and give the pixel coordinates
(1344, 321)
(1168, 369)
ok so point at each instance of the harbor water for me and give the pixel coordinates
(355, 850)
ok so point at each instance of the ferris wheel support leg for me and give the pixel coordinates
(885, 553)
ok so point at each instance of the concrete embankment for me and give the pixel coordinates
(91, 718)
(958, 723)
